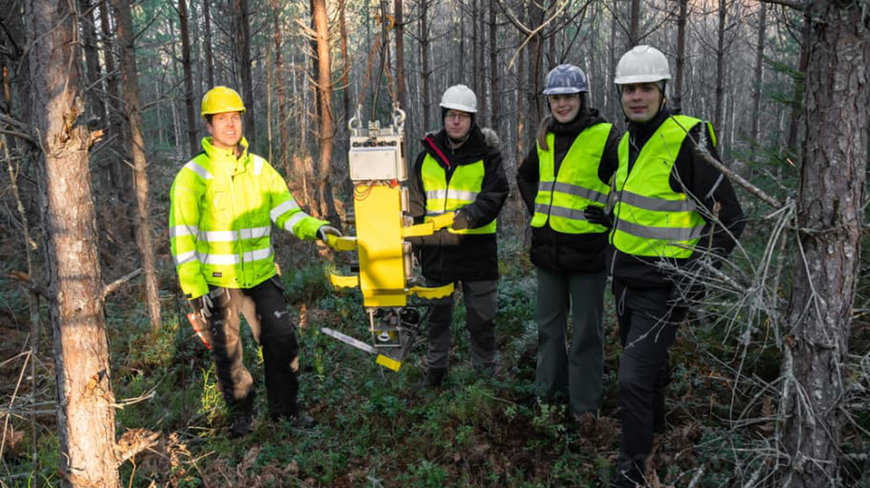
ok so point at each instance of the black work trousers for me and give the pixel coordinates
(647, 328)
(481, 304)
(273, 329)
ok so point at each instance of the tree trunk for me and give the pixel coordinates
(830, 216)
(243, 56)
(534, 75)
(282, 113)
(759, 70)
(617, 115)
(192, 141)
(677, 95)
(345, 61)
(209, 57)
(797, 108)
(324, 88)
(493, 65)
(634, 25)
(122, 185)
(424, 62)
(92, 61)
(720, 70)
(85, 402)
(130, 84)
(400, 55)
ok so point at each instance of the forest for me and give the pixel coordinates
(105, 384)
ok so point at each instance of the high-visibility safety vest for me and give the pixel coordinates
(221, 217)
(651, 219)
(562, 197)
(444, 196)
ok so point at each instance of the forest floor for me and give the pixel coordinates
(373, 428)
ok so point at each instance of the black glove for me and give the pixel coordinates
(460, 220)
(596, 215)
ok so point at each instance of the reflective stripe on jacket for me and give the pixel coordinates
(651, 219)
(445, 196)
(221, 216)
(562, 197)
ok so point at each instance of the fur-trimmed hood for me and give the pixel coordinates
(481, 143)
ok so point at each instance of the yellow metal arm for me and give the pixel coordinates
(429, 228)
(341, 243)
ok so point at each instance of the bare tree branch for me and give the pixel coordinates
(111, 287)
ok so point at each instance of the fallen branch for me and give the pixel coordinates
(111, 287)
(736, 178)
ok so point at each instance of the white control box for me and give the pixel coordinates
(377, 156)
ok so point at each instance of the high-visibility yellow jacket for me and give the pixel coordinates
(462, 188)
(652, 219)
(562, 196)
(221, 216)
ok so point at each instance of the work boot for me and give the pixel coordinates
(241, 425)
(302, 421)
(299, 420)
(433, 379)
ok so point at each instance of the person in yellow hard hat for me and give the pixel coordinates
(673, 213)
(224, 203)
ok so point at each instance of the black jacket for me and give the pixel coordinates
(703, 184)
(450, 257)
(555, 250)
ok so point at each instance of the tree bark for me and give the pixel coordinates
(797, 109)
(493, 65)
(720, 69)
(830, 215)
(243, 56)
(759, 70)
(282, 112)
(92, 61)
(209, 56)
(85, 411)
(677, 95)
(345, 61)
(130, 84)
(193, 143)
(425, 73)
(324, 89)
(400, 55)
(634, 25)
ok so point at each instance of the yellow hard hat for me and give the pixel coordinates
(221, 99)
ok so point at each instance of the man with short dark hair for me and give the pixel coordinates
(224, 202)
(460, 170)
(673, 212)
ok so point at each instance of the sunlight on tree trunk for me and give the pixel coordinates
(85, 402)
(130, 90)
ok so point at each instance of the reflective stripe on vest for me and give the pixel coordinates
(650, 218)
(562, 197)
(462, 189)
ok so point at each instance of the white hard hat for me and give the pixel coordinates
(459, 97)
(642, 64)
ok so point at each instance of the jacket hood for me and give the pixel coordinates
(480, 142)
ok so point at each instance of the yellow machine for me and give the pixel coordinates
(380, 200)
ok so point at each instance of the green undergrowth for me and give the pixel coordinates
(375, 429)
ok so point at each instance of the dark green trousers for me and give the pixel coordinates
(571, 367)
